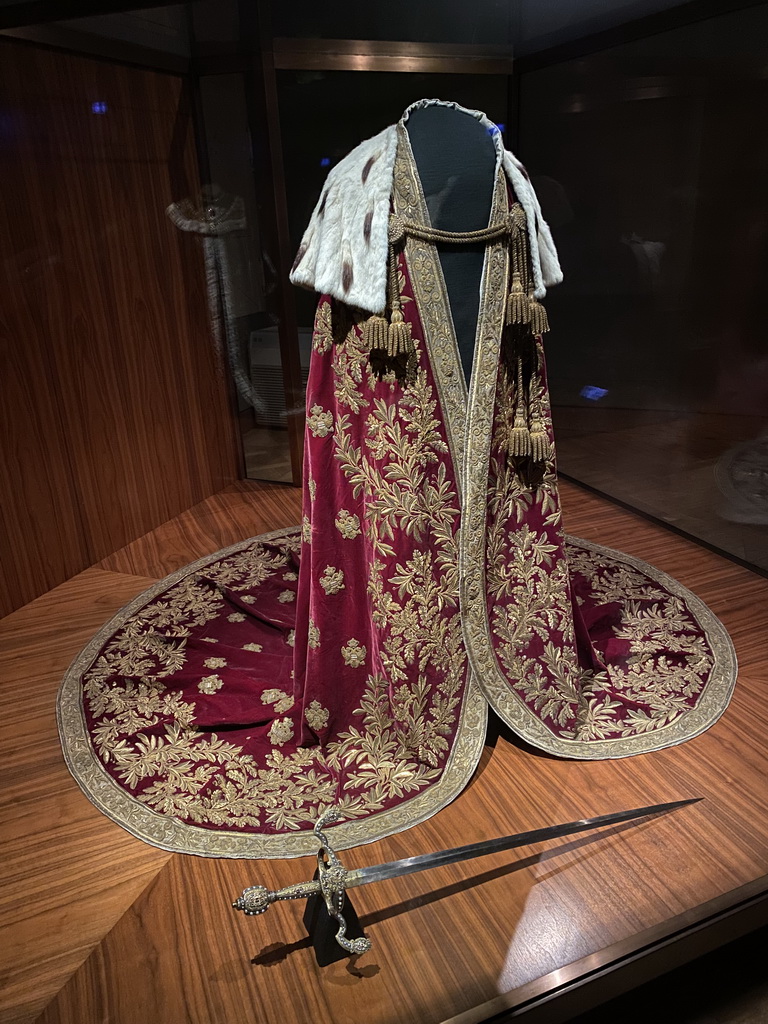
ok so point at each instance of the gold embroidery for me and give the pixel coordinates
(253, 647)
(320, 422)
(286, 596)
(316, 716)
(218, 785)
(403, 738)
(306, 530)
(382, 750)
(236, 617)
(347, 524)
(210, 684)
(215, 662)
(244, 572)
(332, 580)
(290, 577)
(291, 638)
(312, 486)
(354, 653)
(247, 598)
(280, 732)
(313, 636)
(282, 701)
(322, 336)
(351, 366)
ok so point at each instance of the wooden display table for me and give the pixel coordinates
(133, 934)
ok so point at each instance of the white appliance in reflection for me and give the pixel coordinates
(266, 372)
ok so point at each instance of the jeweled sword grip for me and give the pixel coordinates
(257, 899)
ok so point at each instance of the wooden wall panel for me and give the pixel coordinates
(120, 397)
(41, 537)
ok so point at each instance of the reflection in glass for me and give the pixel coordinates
(241, 277)
(650, 172)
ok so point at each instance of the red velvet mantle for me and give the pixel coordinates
(352, 661)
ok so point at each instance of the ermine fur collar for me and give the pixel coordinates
(344, 250)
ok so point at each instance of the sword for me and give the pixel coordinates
(333, 879)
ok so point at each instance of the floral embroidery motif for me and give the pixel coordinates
(306, 530)
(215, 662)
(322, 336)
(347, 524)
(280, 732)
(290, 577)
(316, 716)
(332, 580)
(291, 638)
(312, 487)
(247, 598)
(320, 422)
(354, 653)
(352, 369)
(210, 684)
(286, 596)
(253, 647)
(236, 617)
(282, 701)
(313, 636)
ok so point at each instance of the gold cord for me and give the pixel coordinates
(398, 228)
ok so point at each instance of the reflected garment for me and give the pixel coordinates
(353, 660)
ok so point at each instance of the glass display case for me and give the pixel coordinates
(636, 122)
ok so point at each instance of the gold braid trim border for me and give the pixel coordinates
(468, 419)
(434, 309)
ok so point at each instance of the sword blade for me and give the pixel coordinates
(425, 861)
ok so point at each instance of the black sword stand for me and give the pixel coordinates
(322, 929)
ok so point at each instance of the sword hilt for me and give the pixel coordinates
(331, 884)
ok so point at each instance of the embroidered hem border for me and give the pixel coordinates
(711, 705)
(178, 837)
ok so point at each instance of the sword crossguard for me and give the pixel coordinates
(331, 884)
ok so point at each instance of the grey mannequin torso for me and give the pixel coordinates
(456, 159)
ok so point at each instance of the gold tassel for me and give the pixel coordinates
(537, 316)
(375, 332)
(541, 449)
(398, 339)
(519, 435)
(399, 334)
(518, 306)
(519, 438)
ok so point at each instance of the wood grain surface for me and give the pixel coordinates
(115, 411)
(240, 511)
(67, 871)
(443, 941)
